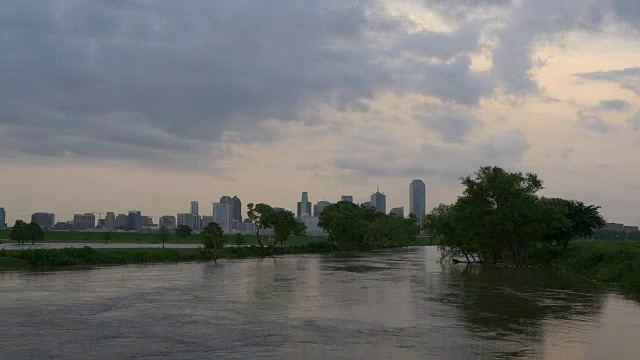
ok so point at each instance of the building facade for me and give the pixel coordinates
(194, 208)
(168, 221)
(122, 222)
(379, 201)
(45, 220)
(134, 220)
(348, 198)
(418, 199)
(399, 211)
(226, 216)
(185, 219)
(110, 221)
(3, 218)
(84, 221)
(319, 207)
(237, 208)
(299, 211)
(305, 205)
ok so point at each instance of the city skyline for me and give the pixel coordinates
(370, 93)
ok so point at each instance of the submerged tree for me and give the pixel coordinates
(213, 239)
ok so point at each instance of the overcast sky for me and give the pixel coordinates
(117, 105)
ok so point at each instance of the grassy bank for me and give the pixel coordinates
(52, 258)
(616, 263)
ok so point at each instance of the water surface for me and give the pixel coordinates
(389, 305)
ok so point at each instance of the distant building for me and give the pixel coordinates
(122, 222)
(185, 219)
(101, 223)
(226, 216)
(67, 225)
(348, 198)
(368, 204)
(379, 201)
(279, 209)
(418, 199)
(194, 208)
(168, 221)
(146, 221)
(319, 207)
(196, 223)
(629, 229)
(399, 211)
(3, 218)
(216, 213)
(84, 221)
(614, 227)
(134, 220)
(45, 220)
(300, 211)
(305, 205)
(237, 208)
(206, 220)
(311, 222)
(110, 221)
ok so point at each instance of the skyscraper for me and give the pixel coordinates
(134, 220)
(194, 208)
(399, 211)
(45, 220)
(110, 221)
(305, 205)
(379, 201)
(319, 207)
(185, 219)
(237, 208)
(84, 221)
(348, 198)
(417, 199)
(3, 215)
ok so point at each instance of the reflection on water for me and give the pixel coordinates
(388, 305)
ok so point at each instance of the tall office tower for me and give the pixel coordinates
(348, 198)
(194, 208)
(3, 216)
(206, 220)
(110, 221)
(216, 212)
(134, 220)
(418, 199)
(305, 209)
(225, 212)
(45, 220)
(237, 208)
(379, 201)
(122, 222)
(299, 212)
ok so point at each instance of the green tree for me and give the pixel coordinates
(18, 231)
(239, 239)
(33, 232)
(164, 234)
(284, 225)
(106, 236)
(578, 220)
(262, 216)
(183, 231)
(213, 239)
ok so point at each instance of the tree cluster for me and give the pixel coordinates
(352, 226)
(283, 223)
(501, 213)
(22, 232)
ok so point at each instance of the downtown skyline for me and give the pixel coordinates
(119, 105)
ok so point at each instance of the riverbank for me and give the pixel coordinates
(615, 263)
(54, 258)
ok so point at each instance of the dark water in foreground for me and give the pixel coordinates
(394, 305)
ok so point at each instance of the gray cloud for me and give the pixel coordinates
(634, 121)
(453, 125)
(614, 105)
(593, 122)
(628, 78)
(445, 161)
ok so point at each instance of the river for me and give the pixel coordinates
(388, 305)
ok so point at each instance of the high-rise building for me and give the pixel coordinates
(185, 219)
(299, 212)
(122, 222)
(237, 208)
(3, 217)
(225, 216)
(134, 220)
(168, 221)
(348, 198)
(319, 207)
(305, 207)
(194, 208)
(110, 221)
(146, 221)
(379, 201)
(216, 213)
(367, 204)
(45, 220)
(197, 223)
(84, 221)
(418, 199)
(399, 211)
(206, 220)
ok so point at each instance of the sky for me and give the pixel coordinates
(146, 105)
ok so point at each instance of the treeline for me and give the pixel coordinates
(358, 227)
(500, 215)
(23, 232)
(612, 235)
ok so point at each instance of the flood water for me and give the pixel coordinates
(389, 305)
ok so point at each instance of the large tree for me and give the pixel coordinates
(284, 225)
(33, 232)
(164, 234)
(183, 231)
(262, 216)
(213, 239)
(18, 231)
